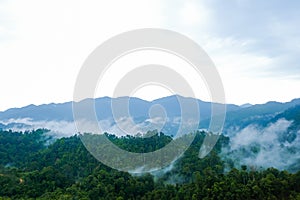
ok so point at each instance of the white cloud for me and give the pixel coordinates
(256, 55)
(264, 147)
(52, 39)
(120, 127)
(43, 44)
(194, 14)
(57, 128)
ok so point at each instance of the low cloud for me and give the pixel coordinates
(57, 128)
(119, 127)
(265, 147)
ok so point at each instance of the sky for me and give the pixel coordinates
(254, 44)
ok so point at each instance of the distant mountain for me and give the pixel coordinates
(237, 116)
(2, 126)
(246, 105)
(268, 138)
(138, 108)
(260, 114)
(291, 114)
(51, 111)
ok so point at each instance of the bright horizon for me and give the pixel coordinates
(257, 56)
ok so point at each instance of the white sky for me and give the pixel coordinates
(44, 43)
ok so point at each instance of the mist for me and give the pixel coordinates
(120, 127)
(264, 147)
(261, 147)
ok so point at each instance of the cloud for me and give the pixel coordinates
(255, 44)
(43, 44)
(120, 127)
(7, 27)
(57, 128)
(270, 26)
(194, 14)
(265, 147)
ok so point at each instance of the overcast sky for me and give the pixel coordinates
(254, 44)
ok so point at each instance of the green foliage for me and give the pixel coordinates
(138, 144)
(66, 170)
(15, 146)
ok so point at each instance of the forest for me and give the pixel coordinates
(33, 165)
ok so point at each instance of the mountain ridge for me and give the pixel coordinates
(66, 107)
(139, 109)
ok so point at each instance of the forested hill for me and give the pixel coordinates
(34, 166)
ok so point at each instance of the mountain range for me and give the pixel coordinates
(236, 116)
(264, 135)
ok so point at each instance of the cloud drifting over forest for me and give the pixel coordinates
(265, 146)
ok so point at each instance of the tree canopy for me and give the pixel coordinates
(34, 166)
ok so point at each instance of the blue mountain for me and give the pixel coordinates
(236, 116)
